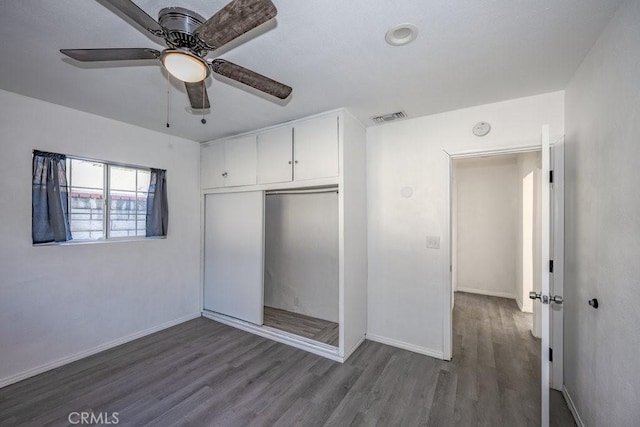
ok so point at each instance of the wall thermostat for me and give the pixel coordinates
(481, 128)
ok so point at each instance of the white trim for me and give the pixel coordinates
(276, 186)
(494, 151)
(85, 353)
(521, 307)
(572, 406)
(485, 292)
(523, 147)
(352, 350)
(405, 346)
(296, 341)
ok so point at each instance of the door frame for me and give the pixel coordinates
(450, 157)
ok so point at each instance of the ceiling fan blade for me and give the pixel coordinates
(250, 78)
(198, 95)
(116, 54)
(138, 15)
(235, 19)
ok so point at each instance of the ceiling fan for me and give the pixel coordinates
(189, 38)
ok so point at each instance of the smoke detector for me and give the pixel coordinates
(383, 118)
(481, 128)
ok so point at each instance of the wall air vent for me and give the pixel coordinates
(398, 115)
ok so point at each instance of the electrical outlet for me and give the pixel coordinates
(433, 242)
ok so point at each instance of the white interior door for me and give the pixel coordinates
(234, 255)
(550, 296)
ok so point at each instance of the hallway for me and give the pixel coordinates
(497, 362)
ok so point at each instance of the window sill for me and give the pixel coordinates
(101, 241)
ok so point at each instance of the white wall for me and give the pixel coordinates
(301, 254)
(486, 219)
(602, 211)
(408, 283)
(57, 302)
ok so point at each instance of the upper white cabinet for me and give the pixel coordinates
(212, 165)
(316, 148)
(240, 161)
(229, 163)
(275, 155)
(302, 151)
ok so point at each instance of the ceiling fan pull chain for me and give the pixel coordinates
(204, 97)
(168, 95)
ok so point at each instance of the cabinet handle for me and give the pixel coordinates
(224, 174)
(289, 161)
(296, 162)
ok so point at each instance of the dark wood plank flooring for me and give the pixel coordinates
(203, 373)
(320, 330)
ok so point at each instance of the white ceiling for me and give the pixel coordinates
(332, 52)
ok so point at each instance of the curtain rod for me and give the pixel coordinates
(307, 191)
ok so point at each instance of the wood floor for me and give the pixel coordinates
(203, 373)
(320, 330)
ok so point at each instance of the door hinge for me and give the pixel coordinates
(550, 354)
(551, 266)
(551, 176)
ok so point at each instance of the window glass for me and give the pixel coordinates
(122, 178)
(86, 190)
(128, 201)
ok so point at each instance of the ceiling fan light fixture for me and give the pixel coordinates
(184, 66)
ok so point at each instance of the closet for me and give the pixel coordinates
(284, 244)
(301, 263)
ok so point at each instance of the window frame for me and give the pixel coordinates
(106, 203)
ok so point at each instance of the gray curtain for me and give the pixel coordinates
(50, 198)
(157, 204)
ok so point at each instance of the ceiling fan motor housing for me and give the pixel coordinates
(180, 25)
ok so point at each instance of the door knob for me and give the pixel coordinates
(593, 302)
(557, 299)
(544, 298)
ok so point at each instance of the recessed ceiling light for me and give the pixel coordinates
(401, 34)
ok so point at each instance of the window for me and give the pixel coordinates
(106, 200)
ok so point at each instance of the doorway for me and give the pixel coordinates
(496, 237)
(496, 228)
(548, 370)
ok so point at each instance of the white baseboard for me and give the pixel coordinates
(572, 406)
(296, 341)
(85, 353)
(354, 348)
(521, 307)
(406, 346)
(488, 293)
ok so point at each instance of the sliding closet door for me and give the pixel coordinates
(234, 255)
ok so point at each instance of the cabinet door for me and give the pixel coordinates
(316, 148)
(212, 166)
(240, 161)
(275, 154)
(234, 255)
